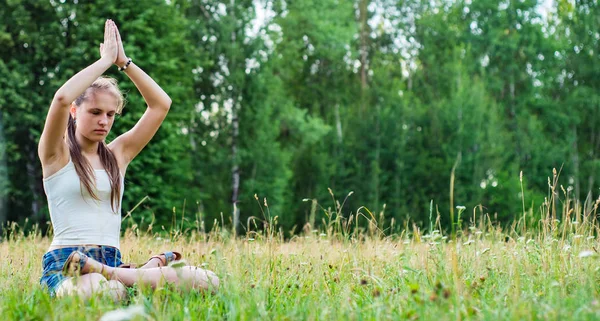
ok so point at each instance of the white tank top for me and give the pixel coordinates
(77, 218)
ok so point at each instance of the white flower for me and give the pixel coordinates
(586, 253)
(124, 314)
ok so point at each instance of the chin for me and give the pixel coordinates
(96, 138)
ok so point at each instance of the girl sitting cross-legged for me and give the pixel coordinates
(84, 176)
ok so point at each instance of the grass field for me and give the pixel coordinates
(538, 268)
(550, 273)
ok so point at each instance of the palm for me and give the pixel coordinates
(108, 49)
(121, 57)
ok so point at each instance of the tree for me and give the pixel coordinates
(43, 44)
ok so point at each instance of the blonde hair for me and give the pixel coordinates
(104, 83)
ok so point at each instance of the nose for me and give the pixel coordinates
(103, 120)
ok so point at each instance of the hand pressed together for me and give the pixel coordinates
(121, 57)
(109, 48)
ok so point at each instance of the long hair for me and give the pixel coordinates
(107, 158)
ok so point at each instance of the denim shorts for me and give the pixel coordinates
(53, 261)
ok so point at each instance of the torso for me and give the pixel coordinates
(94, 159)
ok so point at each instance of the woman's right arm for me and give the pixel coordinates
(52, 145)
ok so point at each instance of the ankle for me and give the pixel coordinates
(158, 260)
(109, 272)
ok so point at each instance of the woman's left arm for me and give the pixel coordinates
(129, 144)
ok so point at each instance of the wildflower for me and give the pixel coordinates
(586, 253)
(125, 314)
(483, 252)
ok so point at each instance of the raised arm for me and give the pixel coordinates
(132, 142)
(52, 143)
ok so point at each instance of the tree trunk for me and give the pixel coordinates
(338, 124)
(575, 159)
(235, 170)
(34, 179)
(3, 176)
(364, 50)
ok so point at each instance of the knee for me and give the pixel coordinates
(213, 279)
(117, 290)
(66, 288)
(210, 279)
(92, 282)
(204, 279)
(83, 286)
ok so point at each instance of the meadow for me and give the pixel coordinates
(547, 270)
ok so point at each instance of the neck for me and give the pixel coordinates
(87, 146)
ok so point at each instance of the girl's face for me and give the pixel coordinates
(95, 116)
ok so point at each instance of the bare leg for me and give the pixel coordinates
(86, 285)
(186, 277)
(154, 262)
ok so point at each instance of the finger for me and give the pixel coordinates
(113, 33)
(108, 34)
(109, 28)
(106, 24)
(118, 34)
(116, 29)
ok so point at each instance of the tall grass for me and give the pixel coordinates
(543, 266)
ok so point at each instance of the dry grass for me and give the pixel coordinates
(483, 275)
(538, 268)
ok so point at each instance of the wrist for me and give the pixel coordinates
(124, 66)
(105, 62)
(122, 62)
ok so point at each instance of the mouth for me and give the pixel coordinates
(100, 131)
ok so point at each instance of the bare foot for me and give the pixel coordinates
(73, 266)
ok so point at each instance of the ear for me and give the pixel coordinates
(73, 110)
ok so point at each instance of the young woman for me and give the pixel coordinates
(83, 180)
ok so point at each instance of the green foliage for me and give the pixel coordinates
(44, 44)
(393, 101)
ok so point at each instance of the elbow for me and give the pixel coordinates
(60, 99)
(166, 104)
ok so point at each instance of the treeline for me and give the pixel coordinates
(394, 101)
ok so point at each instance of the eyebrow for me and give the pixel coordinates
(100, 110)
